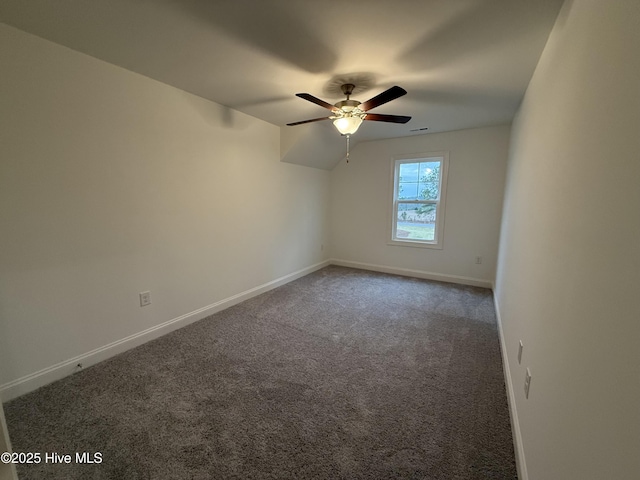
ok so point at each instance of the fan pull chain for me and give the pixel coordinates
(348, 136)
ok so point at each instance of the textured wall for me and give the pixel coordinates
(569, 265)
(361, 202)
(112, 184)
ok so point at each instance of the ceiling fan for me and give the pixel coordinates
(347, 115)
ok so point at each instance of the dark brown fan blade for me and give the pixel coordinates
(316, 100)
(384, 97)
(307, 121)
(376, 117)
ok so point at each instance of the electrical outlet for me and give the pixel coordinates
(527, 383)
(478, 260)
(145, 299)
(520, 347)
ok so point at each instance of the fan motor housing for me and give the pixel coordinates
(347, 105)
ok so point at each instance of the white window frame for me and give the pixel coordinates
(396, 161)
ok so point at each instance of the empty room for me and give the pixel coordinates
(291, 239)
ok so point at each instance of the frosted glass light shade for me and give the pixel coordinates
(347, 125)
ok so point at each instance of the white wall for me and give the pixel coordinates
(361, 200)
(569, 267)
(112, 184)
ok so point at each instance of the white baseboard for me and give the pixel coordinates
(521, 463)
(50, 374)
(441, 277)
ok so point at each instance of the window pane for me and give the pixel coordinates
(409, 172)
(408, 190)
(428, 191)
(430, 171)
(429, 180)
(416, 222)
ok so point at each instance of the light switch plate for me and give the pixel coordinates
(520, 347)
(527, 383)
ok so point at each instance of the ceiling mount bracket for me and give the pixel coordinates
(347, 89)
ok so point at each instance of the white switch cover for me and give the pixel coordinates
(527, 383)
(520, 347)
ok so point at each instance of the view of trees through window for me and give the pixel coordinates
(418, 190)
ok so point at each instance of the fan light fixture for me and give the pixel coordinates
(347, 115)
(348, 125)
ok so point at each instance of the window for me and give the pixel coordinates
(419, 187)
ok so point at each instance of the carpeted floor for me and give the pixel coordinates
(342, 374)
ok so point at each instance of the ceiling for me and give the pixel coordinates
(464, 63)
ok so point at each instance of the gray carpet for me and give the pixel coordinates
(342, 374)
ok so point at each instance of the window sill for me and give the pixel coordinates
(409, 243)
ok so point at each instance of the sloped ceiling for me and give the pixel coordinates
(464, 63)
